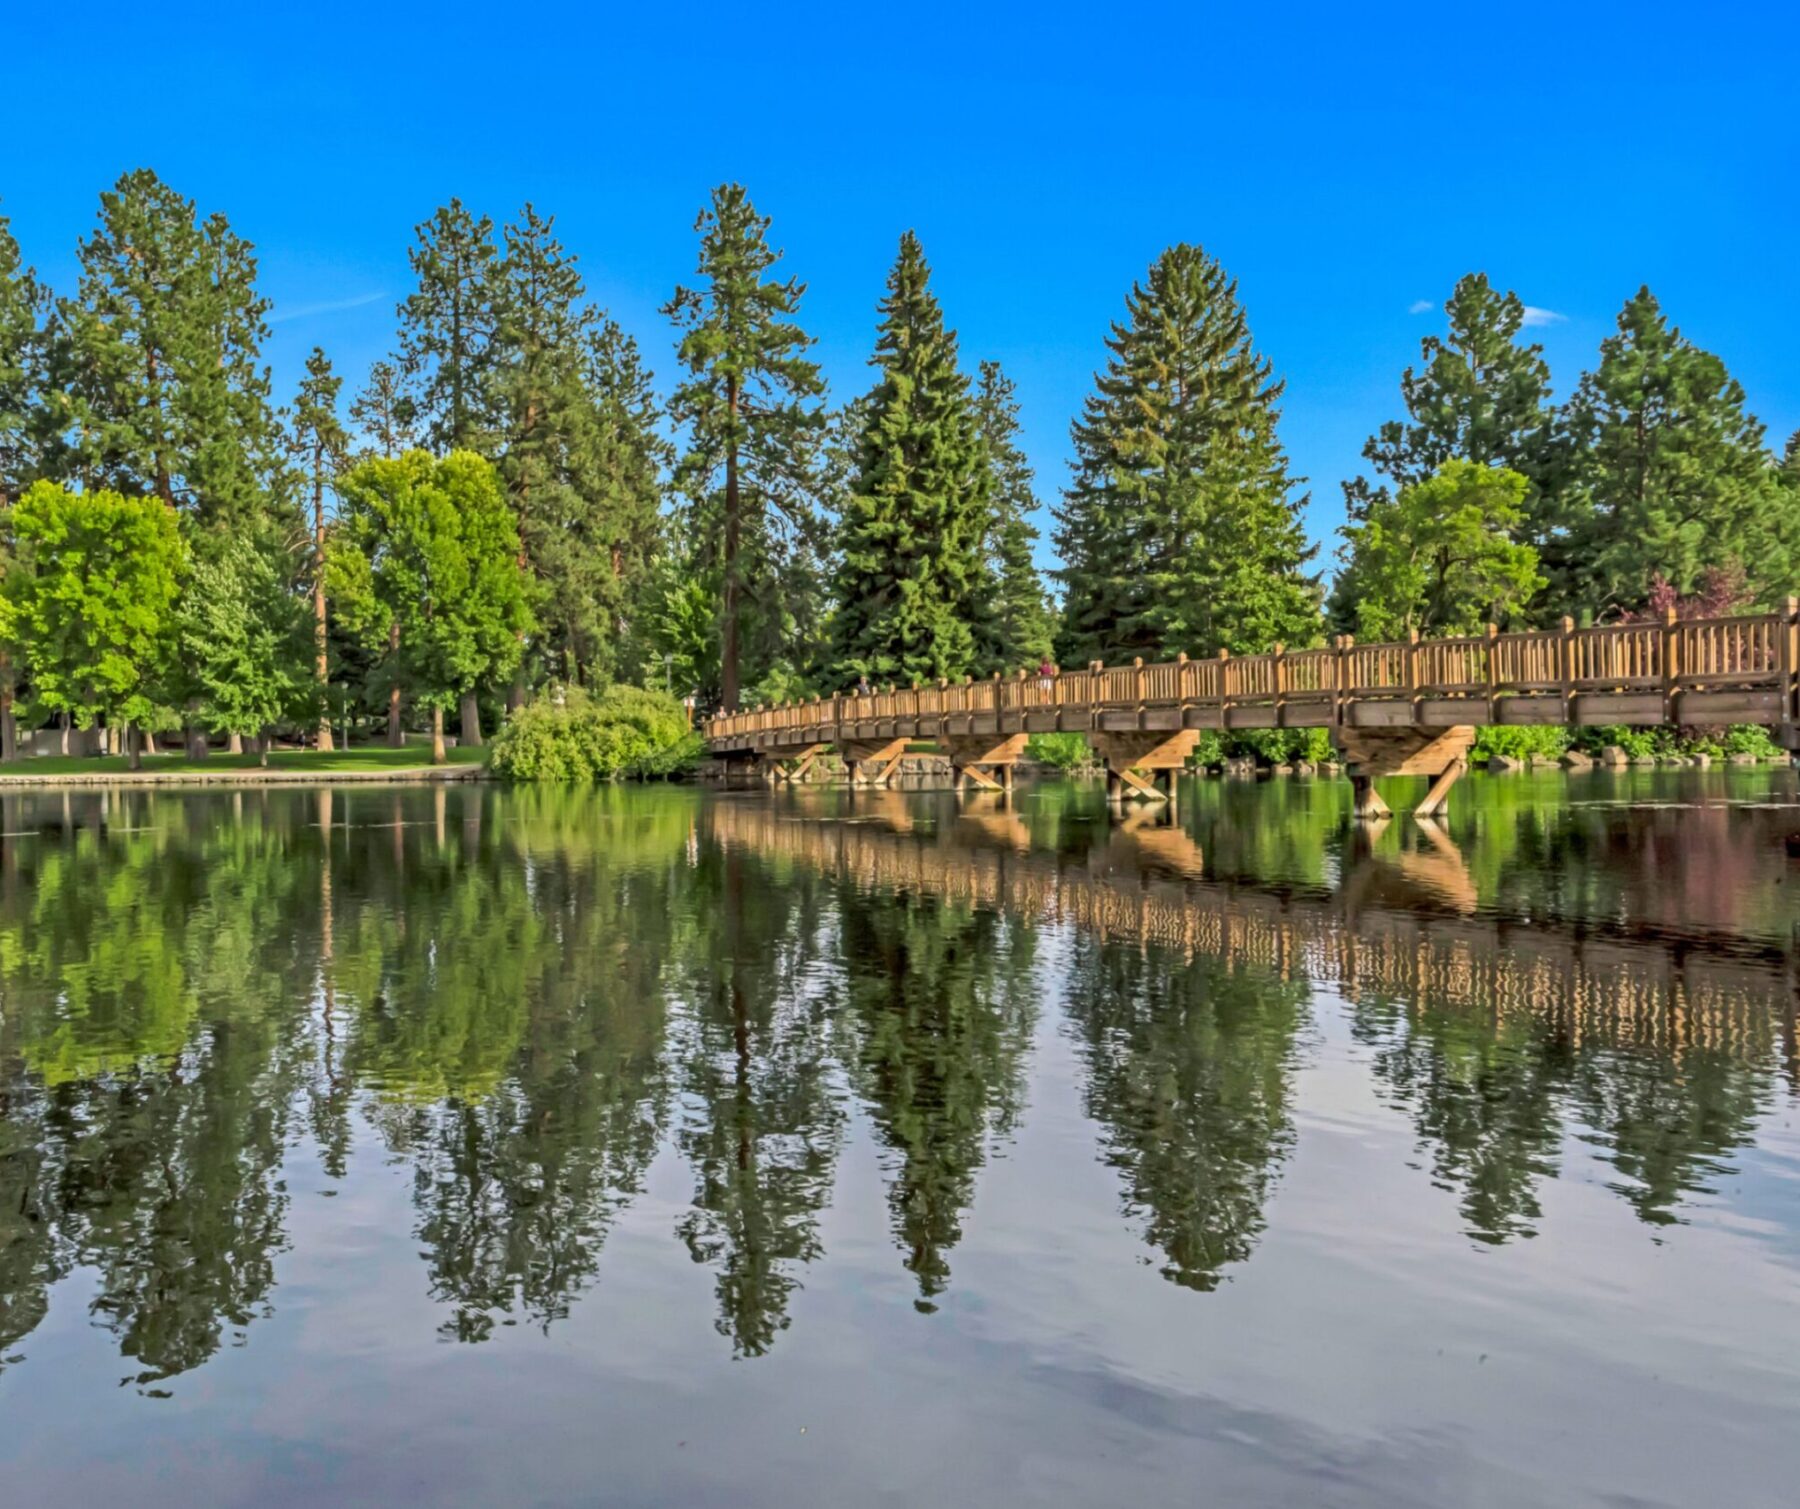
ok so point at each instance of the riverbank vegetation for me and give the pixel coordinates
(510, 507)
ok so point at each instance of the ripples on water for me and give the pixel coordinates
(479, 1146)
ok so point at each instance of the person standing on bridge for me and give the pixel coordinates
(863, 689)
(1046, 675)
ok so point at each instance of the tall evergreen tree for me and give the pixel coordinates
(1181, 530)
(1669, 473)
(385, 413)
(156, 364)
(320, 449)
(576, 443)
(447, 326)
(1480, 394)
(915, 521)
(749, 403)
(1018, 627)
(23, 303)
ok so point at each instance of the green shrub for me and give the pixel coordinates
(1269, 746)
(1519, 743)
(1063, 751)
(573, 736)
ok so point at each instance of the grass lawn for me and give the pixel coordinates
(363, 757)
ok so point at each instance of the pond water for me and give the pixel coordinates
(475, 1146)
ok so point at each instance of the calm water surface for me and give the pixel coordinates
(481, 1147)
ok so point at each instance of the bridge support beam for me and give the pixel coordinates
(1129, 755)
(791, 768)
(872, 762)
(984, 760)
(1439, 753)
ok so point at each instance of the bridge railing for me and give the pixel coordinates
(1755, 652)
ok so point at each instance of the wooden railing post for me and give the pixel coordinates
(1279, 656)
(1137, 686)
(1493, 673)
(1790, 655)
(1181, 684)
(1346, 643)
(1671, 667)
(1565, 655)
(1412, 672)
(1224, 688)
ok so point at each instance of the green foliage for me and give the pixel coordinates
(245, 642)
(574, 433)
(1181, 530)
(1063, 751)
(1015, 624)
(431, 546)
(571, 735)
(155, 364)
(1668, 474)
(88, 602)
(1518, 743)
(910, 543)
(23, 305)
(447, 327)
(1479, 395)
(1440, 557)
(749, 405)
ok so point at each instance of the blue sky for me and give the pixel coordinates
(1347, 164)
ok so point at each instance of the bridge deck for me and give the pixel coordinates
(1697, 671)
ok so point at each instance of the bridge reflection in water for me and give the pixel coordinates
(1403, 926)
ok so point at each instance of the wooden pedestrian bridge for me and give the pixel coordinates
(1404, 708)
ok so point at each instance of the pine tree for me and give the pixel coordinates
(1180, 531)
(156, 364)
(576, 443)
(1669, 474)
(23, 302)
(385, 413)
(913, 532)
(447, 326)
(1478, 395)
(320, 447)
(749, 404)
(1019, 627)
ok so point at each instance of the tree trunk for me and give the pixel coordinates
(471, 720)
(149, 742)
(515, 694)
(728, 658)
(322, 670)
(438, 754)
(234, 743)
(62, 741)
(194, 741)
(394, 736)
(262, 749)
(9, 728)
(133, 748)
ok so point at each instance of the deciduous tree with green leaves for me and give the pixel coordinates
(88, 602)
(1669, 473)
(1440, 558)
(319, 446)
(750, 406)
(1181, 530)
(911, 542)
(23, 303)
(246, 640)
(427, 556)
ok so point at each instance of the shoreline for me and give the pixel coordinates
(253, 776)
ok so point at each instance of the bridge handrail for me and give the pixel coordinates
(1751, 651)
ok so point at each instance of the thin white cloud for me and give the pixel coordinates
(329, 306)
(1420, 306)
(1535, 317)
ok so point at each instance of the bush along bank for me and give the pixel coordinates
(570, 735)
